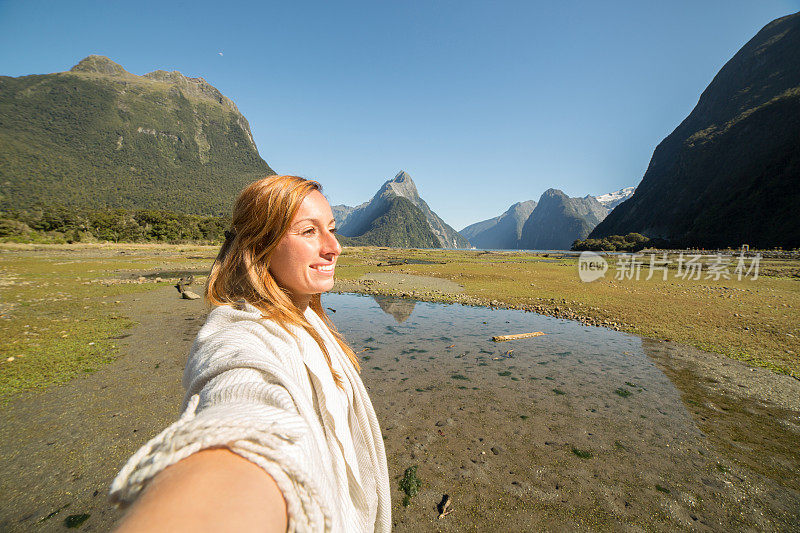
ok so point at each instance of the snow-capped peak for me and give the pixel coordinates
(613, 199)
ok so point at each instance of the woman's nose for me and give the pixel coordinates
(331, 244)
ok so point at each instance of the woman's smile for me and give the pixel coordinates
(325, 269)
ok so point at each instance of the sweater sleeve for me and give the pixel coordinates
(248, 411)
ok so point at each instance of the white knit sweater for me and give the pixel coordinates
(269, 396)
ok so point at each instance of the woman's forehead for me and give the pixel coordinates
(314, 207)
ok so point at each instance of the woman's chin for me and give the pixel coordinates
(324, 286)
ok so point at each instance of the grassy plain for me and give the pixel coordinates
(58, 317)
(57, 306)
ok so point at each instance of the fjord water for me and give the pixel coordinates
(575, 429)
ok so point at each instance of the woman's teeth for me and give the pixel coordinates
(324, 268)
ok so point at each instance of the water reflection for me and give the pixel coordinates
(399, 308)
(578, 426)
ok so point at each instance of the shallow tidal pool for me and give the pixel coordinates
(576, 429)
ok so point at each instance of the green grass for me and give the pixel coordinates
(55, 322)
(410, 484)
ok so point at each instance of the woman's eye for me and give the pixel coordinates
(309, 231)
(332, 230)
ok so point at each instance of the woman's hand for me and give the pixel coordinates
(211, 490)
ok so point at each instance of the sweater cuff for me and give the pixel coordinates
(253, 433)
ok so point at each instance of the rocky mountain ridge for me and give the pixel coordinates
(558, 220)
(360, 220)
(500, 232)
(555, 225)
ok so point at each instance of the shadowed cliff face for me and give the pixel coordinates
(98, 136)
(729, 173)
(502, 232)
(341, 212)
(558, 220)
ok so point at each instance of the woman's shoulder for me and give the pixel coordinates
(241, 333)
(240, 338)
(241, 320)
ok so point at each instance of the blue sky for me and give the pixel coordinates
(483, 103)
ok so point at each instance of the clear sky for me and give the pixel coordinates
(483, 103)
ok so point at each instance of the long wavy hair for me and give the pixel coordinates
(262, 214)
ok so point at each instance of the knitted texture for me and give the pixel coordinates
(268, 395)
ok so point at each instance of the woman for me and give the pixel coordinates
(278, 431)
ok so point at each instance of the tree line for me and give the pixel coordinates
(68, 225)
(632, 242)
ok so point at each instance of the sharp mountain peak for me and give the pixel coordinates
(100, 65)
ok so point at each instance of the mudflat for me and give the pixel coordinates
(62, 446)
(62, 443)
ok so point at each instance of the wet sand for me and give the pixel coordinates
(62, 447)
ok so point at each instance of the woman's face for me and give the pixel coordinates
(304, 259)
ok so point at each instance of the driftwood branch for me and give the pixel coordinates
(501, 338)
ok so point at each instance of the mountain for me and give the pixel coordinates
(558, 220)
(613, 199)
(363, 219)
(729, 173)
(341, 212)
(501, 232)
(98, 136)
(399, 224)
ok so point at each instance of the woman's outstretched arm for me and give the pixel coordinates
(211, 490)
